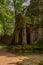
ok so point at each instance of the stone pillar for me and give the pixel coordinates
(24, 41)
(31, 37)
(39, 33)
(16, 37)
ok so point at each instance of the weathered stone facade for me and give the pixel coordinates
(25, 33)
(37, 33)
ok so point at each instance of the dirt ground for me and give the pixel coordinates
(7, 58)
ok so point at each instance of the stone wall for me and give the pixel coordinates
(40, 34)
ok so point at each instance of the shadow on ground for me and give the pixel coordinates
(26, 62)
(12, 59)
(3, 52)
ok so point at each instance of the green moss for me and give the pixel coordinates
(28, 20)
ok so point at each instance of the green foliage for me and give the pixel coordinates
(35, 48)
(35, 10)
(18, 5)
(6, 17)
(7, 14)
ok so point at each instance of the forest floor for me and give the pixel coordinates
(7, 58)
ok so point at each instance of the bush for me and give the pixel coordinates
(28, 48)
(35, 48)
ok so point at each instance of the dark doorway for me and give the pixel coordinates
(20, 36)
(28, 37)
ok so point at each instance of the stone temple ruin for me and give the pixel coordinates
(29, 33)
(26, 33)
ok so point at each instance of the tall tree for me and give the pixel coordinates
(6, 15)
(18, 5)
(36, 10)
